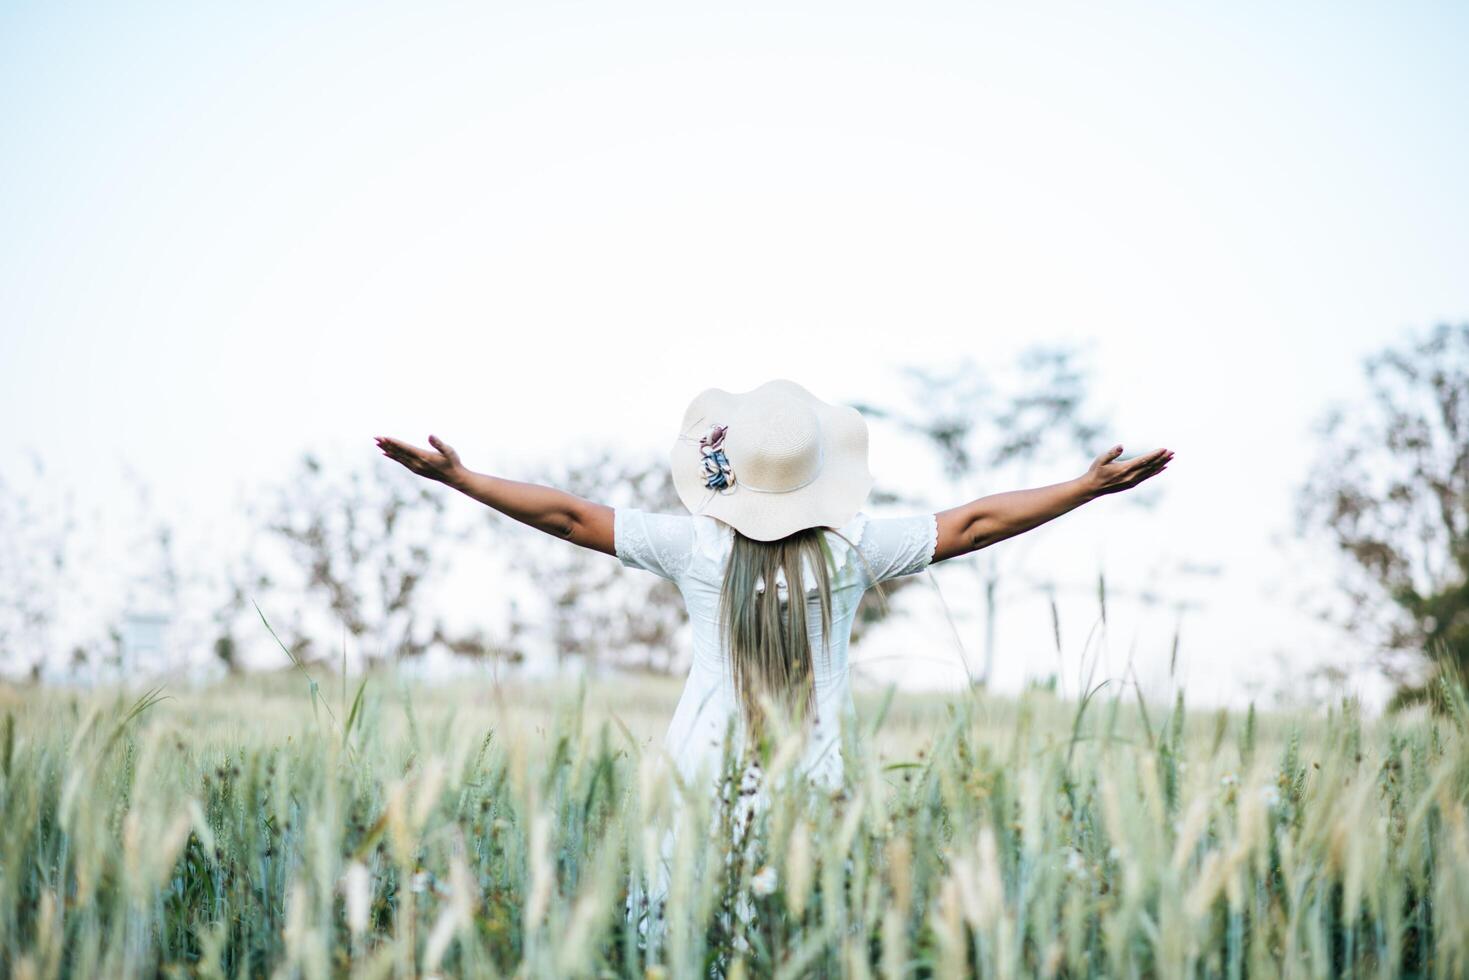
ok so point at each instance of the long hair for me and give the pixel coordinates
(768, 641)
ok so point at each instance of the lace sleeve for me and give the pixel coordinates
(658, 543)
(895, 546)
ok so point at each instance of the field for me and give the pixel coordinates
(268, 828)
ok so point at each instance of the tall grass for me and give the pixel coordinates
(235, 832)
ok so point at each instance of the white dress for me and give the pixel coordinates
(691, 551)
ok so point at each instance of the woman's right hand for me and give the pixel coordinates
(443, 465)
(1106, 476)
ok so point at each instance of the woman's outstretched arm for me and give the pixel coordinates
(980, 523)
(558, 513)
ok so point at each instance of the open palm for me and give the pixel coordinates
(440, 463)
(1107, 476)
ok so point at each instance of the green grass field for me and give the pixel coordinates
(253, 829)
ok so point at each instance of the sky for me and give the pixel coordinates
(235, 232)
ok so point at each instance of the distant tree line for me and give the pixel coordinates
(349, 554)
(357, 550)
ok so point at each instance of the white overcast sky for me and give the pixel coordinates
(235, 231)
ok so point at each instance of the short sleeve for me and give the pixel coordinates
(894, 546)
(659, 543)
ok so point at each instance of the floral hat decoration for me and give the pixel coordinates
(771, 461)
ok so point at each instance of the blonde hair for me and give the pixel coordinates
(768, 641)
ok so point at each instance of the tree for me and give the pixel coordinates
(1390, 490)
(34, 570)
(979, 425)
(370, 545)
(66, 600)
(598, 611)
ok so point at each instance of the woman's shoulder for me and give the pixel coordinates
(657, 542)
(712, 537)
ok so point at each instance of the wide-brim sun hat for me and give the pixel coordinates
(771, 461)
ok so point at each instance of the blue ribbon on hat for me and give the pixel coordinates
(718, 474)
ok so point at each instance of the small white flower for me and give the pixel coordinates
(763, 883)
(420, 881)
(1230, 779)
(1075, 863)
(1114, 853)
(1270, 795)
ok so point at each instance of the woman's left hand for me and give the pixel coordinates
(443, 465)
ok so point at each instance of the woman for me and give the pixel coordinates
(774, 480)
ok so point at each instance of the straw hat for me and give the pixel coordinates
(771, 461)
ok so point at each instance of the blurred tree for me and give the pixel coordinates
(980, 426)
(1390, 490)
(600, 612)
(66, 599)
(369, 541)
(34, 569)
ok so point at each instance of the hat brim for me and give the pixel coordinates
(830, 500)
